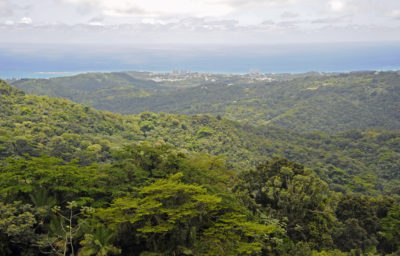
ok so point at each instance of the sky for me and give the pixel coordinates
(203, 35)
(231, 22)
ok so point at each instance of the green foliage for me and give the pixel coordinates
(233, 235)
(17, 221)
(289, 192)
(153, 194)
(204, 132)
(63, 229)
(359, 223)
(57, 127)
(17, 226)
(306, 102)
(41, 199)
(34, 176)
(88, 88)
(170, 215)
(391, 227)
(330, 253)
(162, 211)
(99, 243)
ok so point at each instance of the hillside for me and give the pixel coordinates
(89, 88)
(74, 180)
(327, 102)
(362, 161)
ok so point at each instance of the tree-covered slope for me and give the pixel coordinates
(327, 103)
(77, 181)
(100, 90)
(362, 161)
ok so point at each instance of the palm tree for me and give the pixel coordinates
(99, 243)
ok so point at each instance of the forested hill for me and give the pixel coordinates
(363, 161)
(91, 88)
(327, 102)
(78, 181)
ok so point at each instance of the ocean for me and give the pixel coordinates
(45, 61)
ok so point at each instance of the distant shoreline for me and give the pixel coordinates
(54, 74)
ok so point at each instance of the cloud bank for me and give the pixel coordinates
(200, 21)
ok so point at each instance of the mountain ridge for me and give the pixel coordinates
(327, 103)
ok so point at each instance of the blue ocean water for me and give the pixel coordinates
(44, 61)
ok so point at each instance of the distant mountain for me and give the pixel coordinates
(311, 102)
(95, 89)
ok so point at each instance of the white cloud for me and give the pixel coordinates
(332, 20)
(155, 8)
(153, 21)
(96, 23)
(289, 15)
(25, 20)
(246, 12)
(9, 22)
(5, 8)
(258, 3)
(337, 5)
(395, 14)
(204, 20)
(3, 3)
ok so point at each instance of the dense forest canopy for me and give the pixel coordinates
(79, 181)
(328, 102)
(355, 160)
